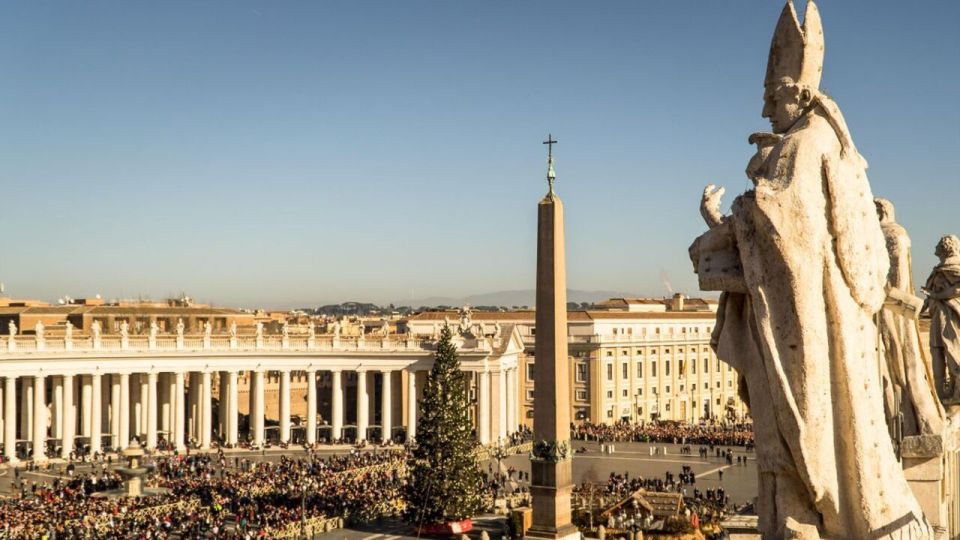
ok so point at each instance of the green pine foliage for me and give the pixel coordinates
(444, 484)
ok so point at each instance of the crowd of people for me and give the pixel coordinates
(667, 432)
(209, 495)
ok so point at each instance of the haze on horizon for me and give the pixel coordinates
(259, 154)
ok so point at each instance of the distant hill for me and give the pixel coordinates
(525, 297)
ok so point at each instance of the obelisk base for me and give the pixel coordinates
(551, 505)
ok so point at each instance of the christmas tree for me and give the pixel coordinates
(444, 483)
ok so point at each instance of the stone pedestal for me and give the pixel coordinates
(930, 465)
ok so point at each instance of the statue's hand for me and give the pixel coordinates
(710, 205)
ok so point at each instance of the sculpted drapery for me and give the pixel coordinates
(943, 302)
(799, 323)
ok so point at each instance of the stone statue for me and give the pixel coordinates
(802, 264)
(180, 328)
(465, 316)
(910, 399)
(95, 329)
(207, 329)
(124, 329)
(311, 330)
(478, 331)
(496, 330)
(68, 331)
(259, 330)
(336, 328)
(233, 329)
(39, 328)
(362, 329)
(285, 329)
(12, 328)
(154, 329)
(385, 329)
(943, 303)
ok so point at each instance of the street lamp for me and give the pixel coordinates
(305, 486)
(499, 452)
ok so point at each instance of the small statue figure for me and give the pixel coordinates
(233, 329)
(465, 318)
(39, 330)
(496, 330)
(207, 329)
(285, 329)
(12, 328)
(311, 330)
(363, 329)
(478, 331)
(124, 329)
(943, 303)
(259, 330)
(385, 329)
(336, 328)
(68, 331)
(95, 330)
(154, 329)
(180, 328)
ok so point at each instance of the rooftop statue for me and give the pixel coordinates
(910, 399)
(943, 303)
(802, 264)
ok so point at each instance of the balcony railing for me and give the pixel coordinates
(115, 343)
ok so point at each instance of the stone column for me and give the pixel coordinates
(172, 404)
(193, 410)
(285, 406)
(124, 430)
(502, 409)
(363, 406)
(115, 411)
(96, 414)
(206, 416)
(551, 467)
(10, 419)
(311, 406)
(39, 419)
(512, 422)
(233, 406)
(163, 394)
(411, 405)
(258, 406)
(179, 414)
(222, 405)
(386, 405)
(68, 424)
(144, 419)
(151, 411)
(483, 408)
(56, 419)
(337, 405)
(86, 397)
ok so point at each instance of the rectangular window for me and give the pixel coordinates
(718, 365)
(581, 372)
(609, 353)
(666, 369)
(610, 413)
(531, 370)
(653, 368)
(609, 394)
(581, 395)
(625, 370)
(667, 389)
(640, 370)
(625, 394)
(609, 372)
(706, 366)
(693, 366)
(530, 394)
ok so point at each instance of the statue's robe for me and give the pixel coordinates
(815, 266)
(945, 321)
(908, 381)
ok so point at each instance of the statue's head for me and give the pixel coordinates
(948, 246)
(884, 210)
(794, 67)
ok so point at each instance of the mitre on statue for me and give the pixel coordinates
(796, 52)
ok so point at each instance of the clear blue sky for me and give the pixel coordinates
(288, 153)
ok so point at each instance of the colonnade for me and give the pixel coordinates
(169, 409)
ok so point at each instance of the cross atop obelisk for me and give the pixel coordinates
(551, 176)
(550, 460)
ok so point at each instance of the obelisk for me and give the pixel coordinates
(551, 457)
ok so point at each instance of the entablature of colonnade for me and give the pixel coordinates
(30, 355)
